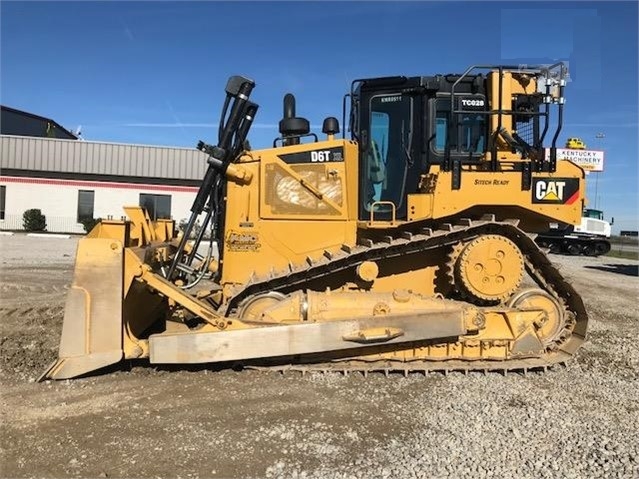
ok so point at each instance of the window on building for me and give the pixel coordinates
(3, 193)
(85, 205)
(158, 206)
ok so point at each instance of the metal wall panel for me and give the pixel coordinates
(98, 158)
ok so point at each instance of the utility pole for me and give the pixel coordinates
(599, 136)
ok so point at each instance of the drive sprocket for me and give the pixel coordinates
(489, 268)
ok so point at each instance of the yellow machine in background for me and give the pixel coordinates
(407, 247)
(575, 144)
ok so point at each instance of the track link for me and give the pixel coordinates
(429, 240)
(387, 368)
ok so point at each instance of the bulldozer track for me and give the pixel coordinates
(427, 240)
(414, 367)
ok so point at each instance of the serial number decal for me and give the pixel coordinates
(471, 103)
(475, 102)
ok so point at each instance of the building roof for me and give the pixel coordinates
(31, 125)
(20, 155)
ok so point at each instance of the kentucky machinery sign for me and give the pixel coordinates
(589, 160)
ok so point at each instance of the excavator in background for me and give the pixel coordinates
(407, 247)
(591, 237)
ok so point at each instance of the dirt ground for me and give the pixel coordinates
(145, 421)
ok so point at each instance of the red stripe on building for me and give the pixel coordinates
(97, 184)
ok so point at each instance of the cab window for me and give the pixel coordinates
(470, 135)
(595, 214)
(388, 157)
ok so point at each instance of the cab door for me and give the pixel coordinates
(389, 153)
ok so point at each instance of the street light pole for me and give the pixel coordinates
(598, 136)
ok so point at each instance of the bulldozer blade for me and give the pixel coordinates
(92, 328)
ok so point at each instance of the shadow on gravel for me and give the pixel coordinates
(626, 269)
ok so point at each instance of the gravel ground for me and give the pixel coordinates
(140, 421)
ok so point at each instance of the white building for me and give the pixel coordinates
(72, 180)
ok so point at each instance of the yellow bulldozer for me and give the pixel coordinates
(407, 247)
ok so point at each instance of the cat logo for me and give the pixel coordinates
(550, 190)
(555, 191)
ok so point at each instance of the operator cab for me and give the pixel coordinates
(407, 125)
(595, 214)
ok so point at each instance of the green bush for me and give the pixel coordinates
(34, 220)
(90, 223)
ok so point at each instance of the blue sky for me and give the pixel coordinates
(154, 72)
